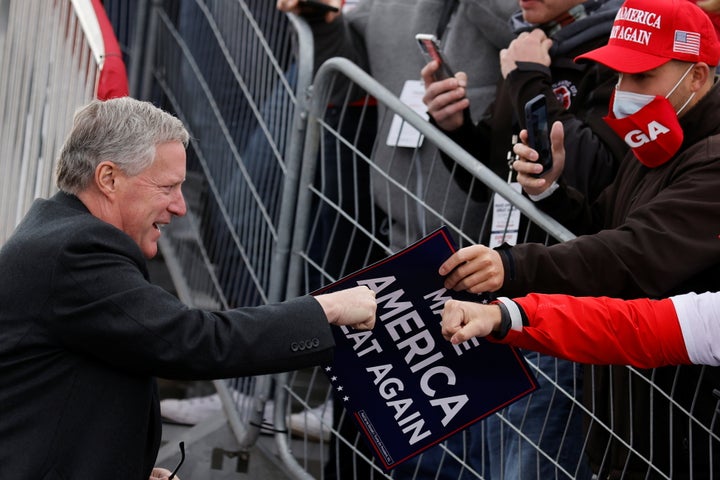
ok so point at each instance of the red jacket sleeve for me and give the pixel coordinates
(643, 333)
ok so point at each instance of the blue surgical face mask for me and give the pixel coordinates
(629, 103)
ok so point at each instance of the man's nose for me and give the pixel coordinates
(178, 206)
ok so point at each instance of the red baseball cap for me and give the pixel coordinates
(650, 33)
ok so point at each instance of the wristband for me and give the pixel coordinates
(516, 317)
(505, 321)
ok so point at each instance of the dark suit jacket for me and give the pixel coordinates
(83, 334)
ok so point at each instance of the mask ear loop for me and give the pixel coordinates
(676, 86)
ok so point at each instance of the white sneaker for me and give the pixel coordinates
(315, 423)
(191, 411)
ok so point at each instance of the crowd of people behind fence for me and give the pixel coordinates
(662, 183)
(538, 60)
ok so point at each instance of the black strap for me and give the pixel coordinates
(448, 9)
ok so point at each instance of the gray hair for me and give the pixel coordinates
(122, 130)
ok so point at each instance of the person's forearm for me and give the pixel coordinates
(643, 333)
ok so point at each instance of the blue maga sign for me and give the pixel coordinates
(403, 383)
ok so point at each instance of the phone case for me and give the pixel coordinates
(430, 48)
(538, 129)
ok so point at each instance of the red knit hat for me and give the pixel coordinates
(650, 33)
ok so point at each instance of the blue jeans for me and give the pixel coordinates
(550, 422)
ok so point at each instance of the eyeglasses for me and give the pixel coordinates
(182, 459)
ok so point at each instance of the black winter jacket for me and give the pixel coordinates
(653, 233)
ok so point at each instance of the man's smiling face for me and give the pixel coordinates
(149, 200)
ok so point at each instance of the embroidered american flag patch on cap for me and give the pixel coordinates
(686, 42)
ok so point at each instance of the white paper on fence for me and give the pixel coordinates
(505, 220)
(401, 133)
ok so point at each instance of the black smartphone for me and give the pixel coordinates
(536, 122)
(316, 6)
(430, 49)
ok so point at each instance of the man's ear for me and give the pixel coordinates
(106, 176)
(700, 75)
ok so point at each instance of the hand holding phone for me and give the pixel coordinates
(430, 49)
(538, 129)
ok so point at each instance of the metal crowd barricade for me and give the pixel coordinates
(340, 227)
(231, 71)
(48, 69)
